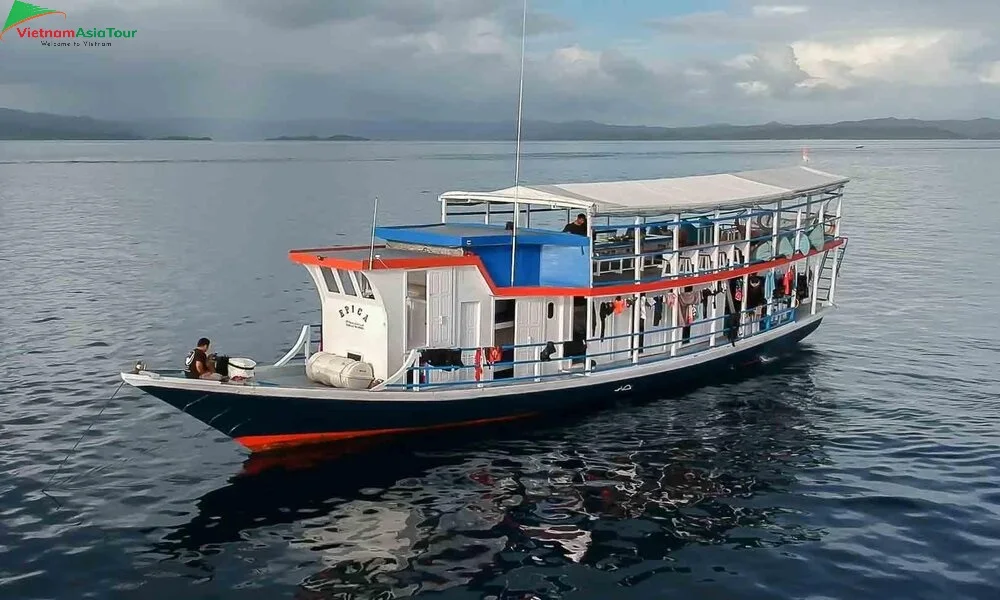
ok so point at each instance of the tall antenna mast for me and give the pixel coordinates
(371, 250)
(517, 151)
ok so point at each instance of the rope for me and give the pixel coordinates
(72, 450)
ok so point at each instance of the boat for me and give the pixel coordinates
(508, 309)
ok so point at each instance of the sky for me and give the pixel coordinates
(652, 62)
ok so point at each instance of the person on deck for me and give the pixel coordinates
(579, 226)
(198, 365)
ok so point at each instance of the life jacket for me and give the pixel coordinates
(494, 355)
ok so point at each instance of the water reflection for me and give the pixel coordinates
(620, 493)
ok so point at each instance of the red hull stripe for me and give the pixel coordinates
(309, 257)
(259, 443)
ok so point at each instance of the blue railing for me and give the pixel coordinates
(778, 318)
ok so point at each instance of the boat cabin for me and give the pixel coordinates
(498, 291)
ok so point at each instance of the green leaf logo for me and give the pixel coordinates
(22, 11)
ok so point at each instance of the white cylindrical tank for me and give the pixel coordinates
(338, 371)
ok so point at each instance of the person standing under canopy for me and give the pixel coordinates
(579, 226)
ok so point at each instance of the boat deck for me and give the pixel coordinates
(293, 375)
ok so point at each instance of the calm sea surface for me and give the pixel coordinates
(868, 467)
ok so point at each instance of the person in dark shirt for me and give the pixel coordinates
(579, 226)
(198, 365)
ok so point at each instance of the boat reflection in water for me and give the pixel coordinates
(618, 496)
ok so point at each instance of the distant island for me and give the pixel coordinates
(316, 138)
(23, 125)
(183, 138)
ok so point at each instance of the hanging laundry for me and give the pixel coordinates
(574, 348)
(732, 327)
(479, 363)
(802, 286)
(643, 303)
(494, 355)
(732, 304)
(657, 309)
(619, 305)
(607, 308)
(686, 302)
(769, 286)
(755, 291)
(443, 357)
(787, 281)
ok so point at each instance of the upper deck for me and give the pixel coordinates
(652, 234)
(694, 194)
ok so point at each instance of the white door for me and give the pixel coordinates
(441, 308)
(468, 335)
(529, 328)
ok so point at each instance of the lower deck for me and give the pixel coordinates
(292, 375)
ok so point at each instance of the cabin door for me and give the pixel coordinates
(440, 308)
(529, 328)
(468, 335)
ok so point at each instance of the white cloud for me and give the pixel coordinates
(765, 10)
(908, 57)
(754, 88)
(991, 73)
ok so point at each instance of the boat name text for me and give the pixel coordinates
(352, 310)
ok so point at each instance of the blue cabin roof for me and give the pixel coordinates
(544, 258)
(472, 235)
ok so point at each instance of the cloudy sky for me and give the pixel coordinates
(664, 62)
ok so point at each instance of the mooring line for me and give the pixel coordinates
(72, 450)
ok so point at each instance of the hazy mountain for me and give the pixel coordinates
(15, 124)
(316, 138)
(21, 125)
(589, 130)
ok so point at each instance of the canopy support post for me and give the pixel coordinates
(798, 239)
(837, 252)
(675, 261)
(713, 326)
(776, 221)
(637, 279)
(814, 292)
(590, 299)
(744, 315)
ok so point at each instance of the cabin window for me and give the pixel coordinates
(330, 279)
(552, 309)
(346, 277)
(366, 286)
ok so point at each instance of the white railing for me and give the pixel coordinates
(411, 359)
(304, 343)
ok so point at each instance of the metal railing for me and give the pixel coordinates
(303, 344)
(767, 322)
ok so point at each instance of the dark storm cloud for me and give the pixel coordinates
(403, 15)
(798, 60)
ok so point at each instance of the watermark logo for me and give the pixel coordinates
(22, 12)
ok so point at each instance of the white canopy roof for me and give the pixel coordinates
(670, 195)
